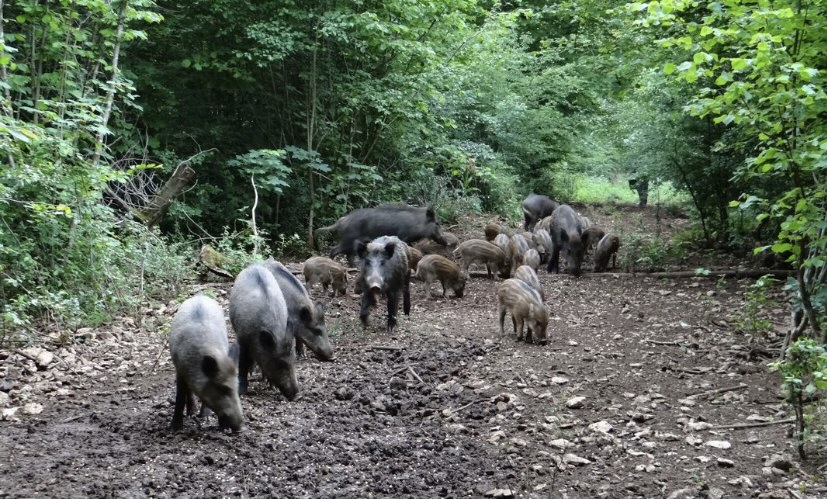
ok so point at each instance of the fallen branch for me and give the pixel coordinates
(670, 343)
(719, 390)
(466, 406)
(30, 357)
(75, 418)
(385, 347)
(415, 375)
(751, 425)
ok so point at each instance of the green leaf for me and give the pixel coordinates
(738, 64)
(668, 68)
(781, 247)
(186, 63)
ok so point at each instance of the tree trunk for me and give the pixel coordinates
(159, 204)
(110, 93)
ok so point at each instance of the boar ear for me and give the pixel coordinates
(564, 236)
(430, 216)
(305, 315)
(266, 340)
(389, 249)
(209, 365)
(320, 308)
(361, 249)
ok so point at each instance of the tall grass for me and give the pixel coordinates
(600, 190)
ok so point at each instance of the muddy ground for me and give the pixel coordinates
(634, 396)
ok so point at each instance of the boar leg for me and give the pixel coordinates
(245, 363)
(181, 397)
(406, 294)
(502, 320)
(554, 261)
(364, 311)
(393, 308)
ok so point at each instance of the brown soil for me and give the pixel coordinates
(444, 406)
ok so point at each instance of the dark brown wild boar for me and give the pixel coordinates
(607, 247)
(414, 256)
(492, 230)
(526, 308)
(482, 252)
(437, 267)
(385, 271)
(322, 270)
(591, 237)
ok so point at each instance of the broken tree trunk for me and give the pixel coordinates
(157, 207)
(213, 261)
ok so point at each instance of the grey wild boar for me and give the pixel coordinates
(304, 317)
(482, 252)
(437, 267)
(607, 247)
(258, 313)
(327, 272)
(535, 207)
(408, 223)
(200, 353)
(529, 276)
(566, 235)
(532, 258)
(526, 308)
(385, 271)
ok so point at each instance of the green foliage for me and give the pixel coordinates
(757, 68)
(754, 319)
(239, 247)
(804, 373)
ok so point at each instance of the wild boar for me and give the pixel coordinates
(607, 247)
(327, 272)
(566, 233)
(304, 317)
(408, 223)
(532, 259)
(258, 313)
(535, 207)
(199, 347)
(437, 267)
(529, 276)
(385, 271)
(482, 252)
(526, 308)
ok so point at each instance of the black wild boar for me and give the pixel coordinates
(385, 271)
(607, 247)
(258, 314)
(323, 270)
(529, 276)
(526, 308)
(478, 251)
(199, 347)
(535, 207)
(304, 318)
(437, 267)
(566, 235)
(408, 223)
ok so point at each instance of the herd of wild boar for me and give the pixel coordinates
(274, 316)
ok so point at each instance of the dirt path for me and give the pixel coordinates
(455, 411)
